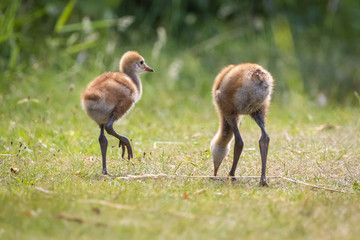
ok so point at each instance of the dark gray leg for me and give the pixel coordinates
(263, 144)
(123, 141)
(238, 145)
(103, 145)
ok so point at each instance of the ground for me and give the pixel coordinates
(51, 186)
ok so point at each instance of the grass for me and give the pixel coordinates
(57, 190)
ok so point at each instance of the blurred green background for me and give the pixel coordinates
(312, 48)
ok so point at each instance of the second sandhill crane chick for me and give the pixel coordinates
(111, 95)
(243, 89)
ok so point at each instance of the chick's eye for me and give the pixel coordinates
(142, 62)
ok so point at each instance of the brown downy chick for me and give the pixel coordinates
(111, 95)
(238, 90)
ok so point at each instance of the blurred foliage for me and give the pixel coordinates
(311, 47)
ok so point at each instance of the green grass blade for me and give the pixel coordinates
(14, 53)
(65, 15)
(80, 47)
(7, 21)
(128, 20)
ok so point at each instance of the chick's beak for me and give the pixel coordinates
(148, 69)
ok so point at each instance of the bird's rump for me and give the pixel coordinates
(109, 94)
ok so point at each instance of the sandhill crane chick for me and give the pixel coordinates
(243, 89)
(111, 95)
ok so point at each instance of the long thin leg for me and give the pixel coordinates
(259, 117)
(225, 137)
(123, 141)
(238, 145)
(103, 145)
